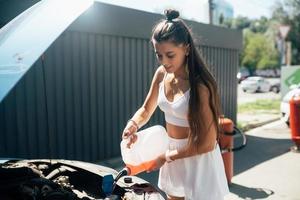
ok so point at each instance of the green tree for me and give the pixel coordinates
(259, 52)
(288, 13)
(252, 48)
(240, 22)
(259, 25)
(279, 13)
(261, 35)
(228, 22)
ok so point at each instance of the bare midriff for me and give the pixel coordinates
(177, 132)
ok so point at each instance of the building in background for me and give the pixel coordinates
(218, 11)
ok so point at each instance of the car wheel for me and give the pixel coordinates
(287, 122)
(275, 89)
(258, 89)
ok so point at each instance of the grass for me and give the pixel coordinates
(260, 106)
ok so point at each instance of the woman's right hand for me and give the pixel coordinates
(129, 133)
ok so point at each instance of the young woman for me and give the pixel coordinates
(186, 92)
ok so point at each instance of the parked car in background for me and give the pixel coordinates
(242, 75)
(255, 84)
(285, 103)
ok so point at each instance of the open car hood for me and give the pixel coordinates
(67, 180)
(25, 38)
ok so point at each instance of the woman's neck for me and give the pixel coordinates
(181, 74)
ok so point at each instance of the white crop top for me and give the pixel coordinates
(176, 112)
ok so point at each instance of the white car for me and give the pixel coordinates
(242, 75)
(255, 84)
(285, 104)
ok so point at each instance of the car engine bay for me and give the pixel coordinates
(68, 180)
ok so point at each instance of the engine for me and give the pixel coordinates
(69, 180)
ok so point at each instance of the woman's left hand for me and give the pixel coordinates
(159, 162)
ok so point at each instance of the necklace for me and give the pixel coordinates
(174, 86)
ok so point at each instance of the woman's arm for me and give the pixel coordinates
(143, 114)
(211, 136)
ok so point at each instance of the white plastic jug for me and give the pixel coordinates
(150, 143)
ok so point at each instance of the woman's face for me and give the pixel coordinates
(170, 55)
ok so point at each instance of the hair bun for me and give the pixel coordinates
(171, 14)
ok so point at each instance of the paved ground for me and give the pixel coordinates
(264, 169)
(258, 119)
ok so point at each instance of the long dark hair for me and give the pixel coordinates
(173, 29)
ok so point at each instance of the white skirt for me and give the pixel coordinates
(200, 177)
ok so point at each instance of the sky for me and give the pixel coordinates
(196, 9)
(252, 8)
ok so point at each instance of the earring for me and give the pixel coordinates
(186, 68)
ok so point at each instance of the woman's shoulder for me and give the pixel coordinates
(159, 74)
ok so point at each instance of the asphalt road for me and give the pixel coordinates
(245, 97)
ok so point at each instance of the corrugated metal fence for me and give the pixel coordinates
(74, 102)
